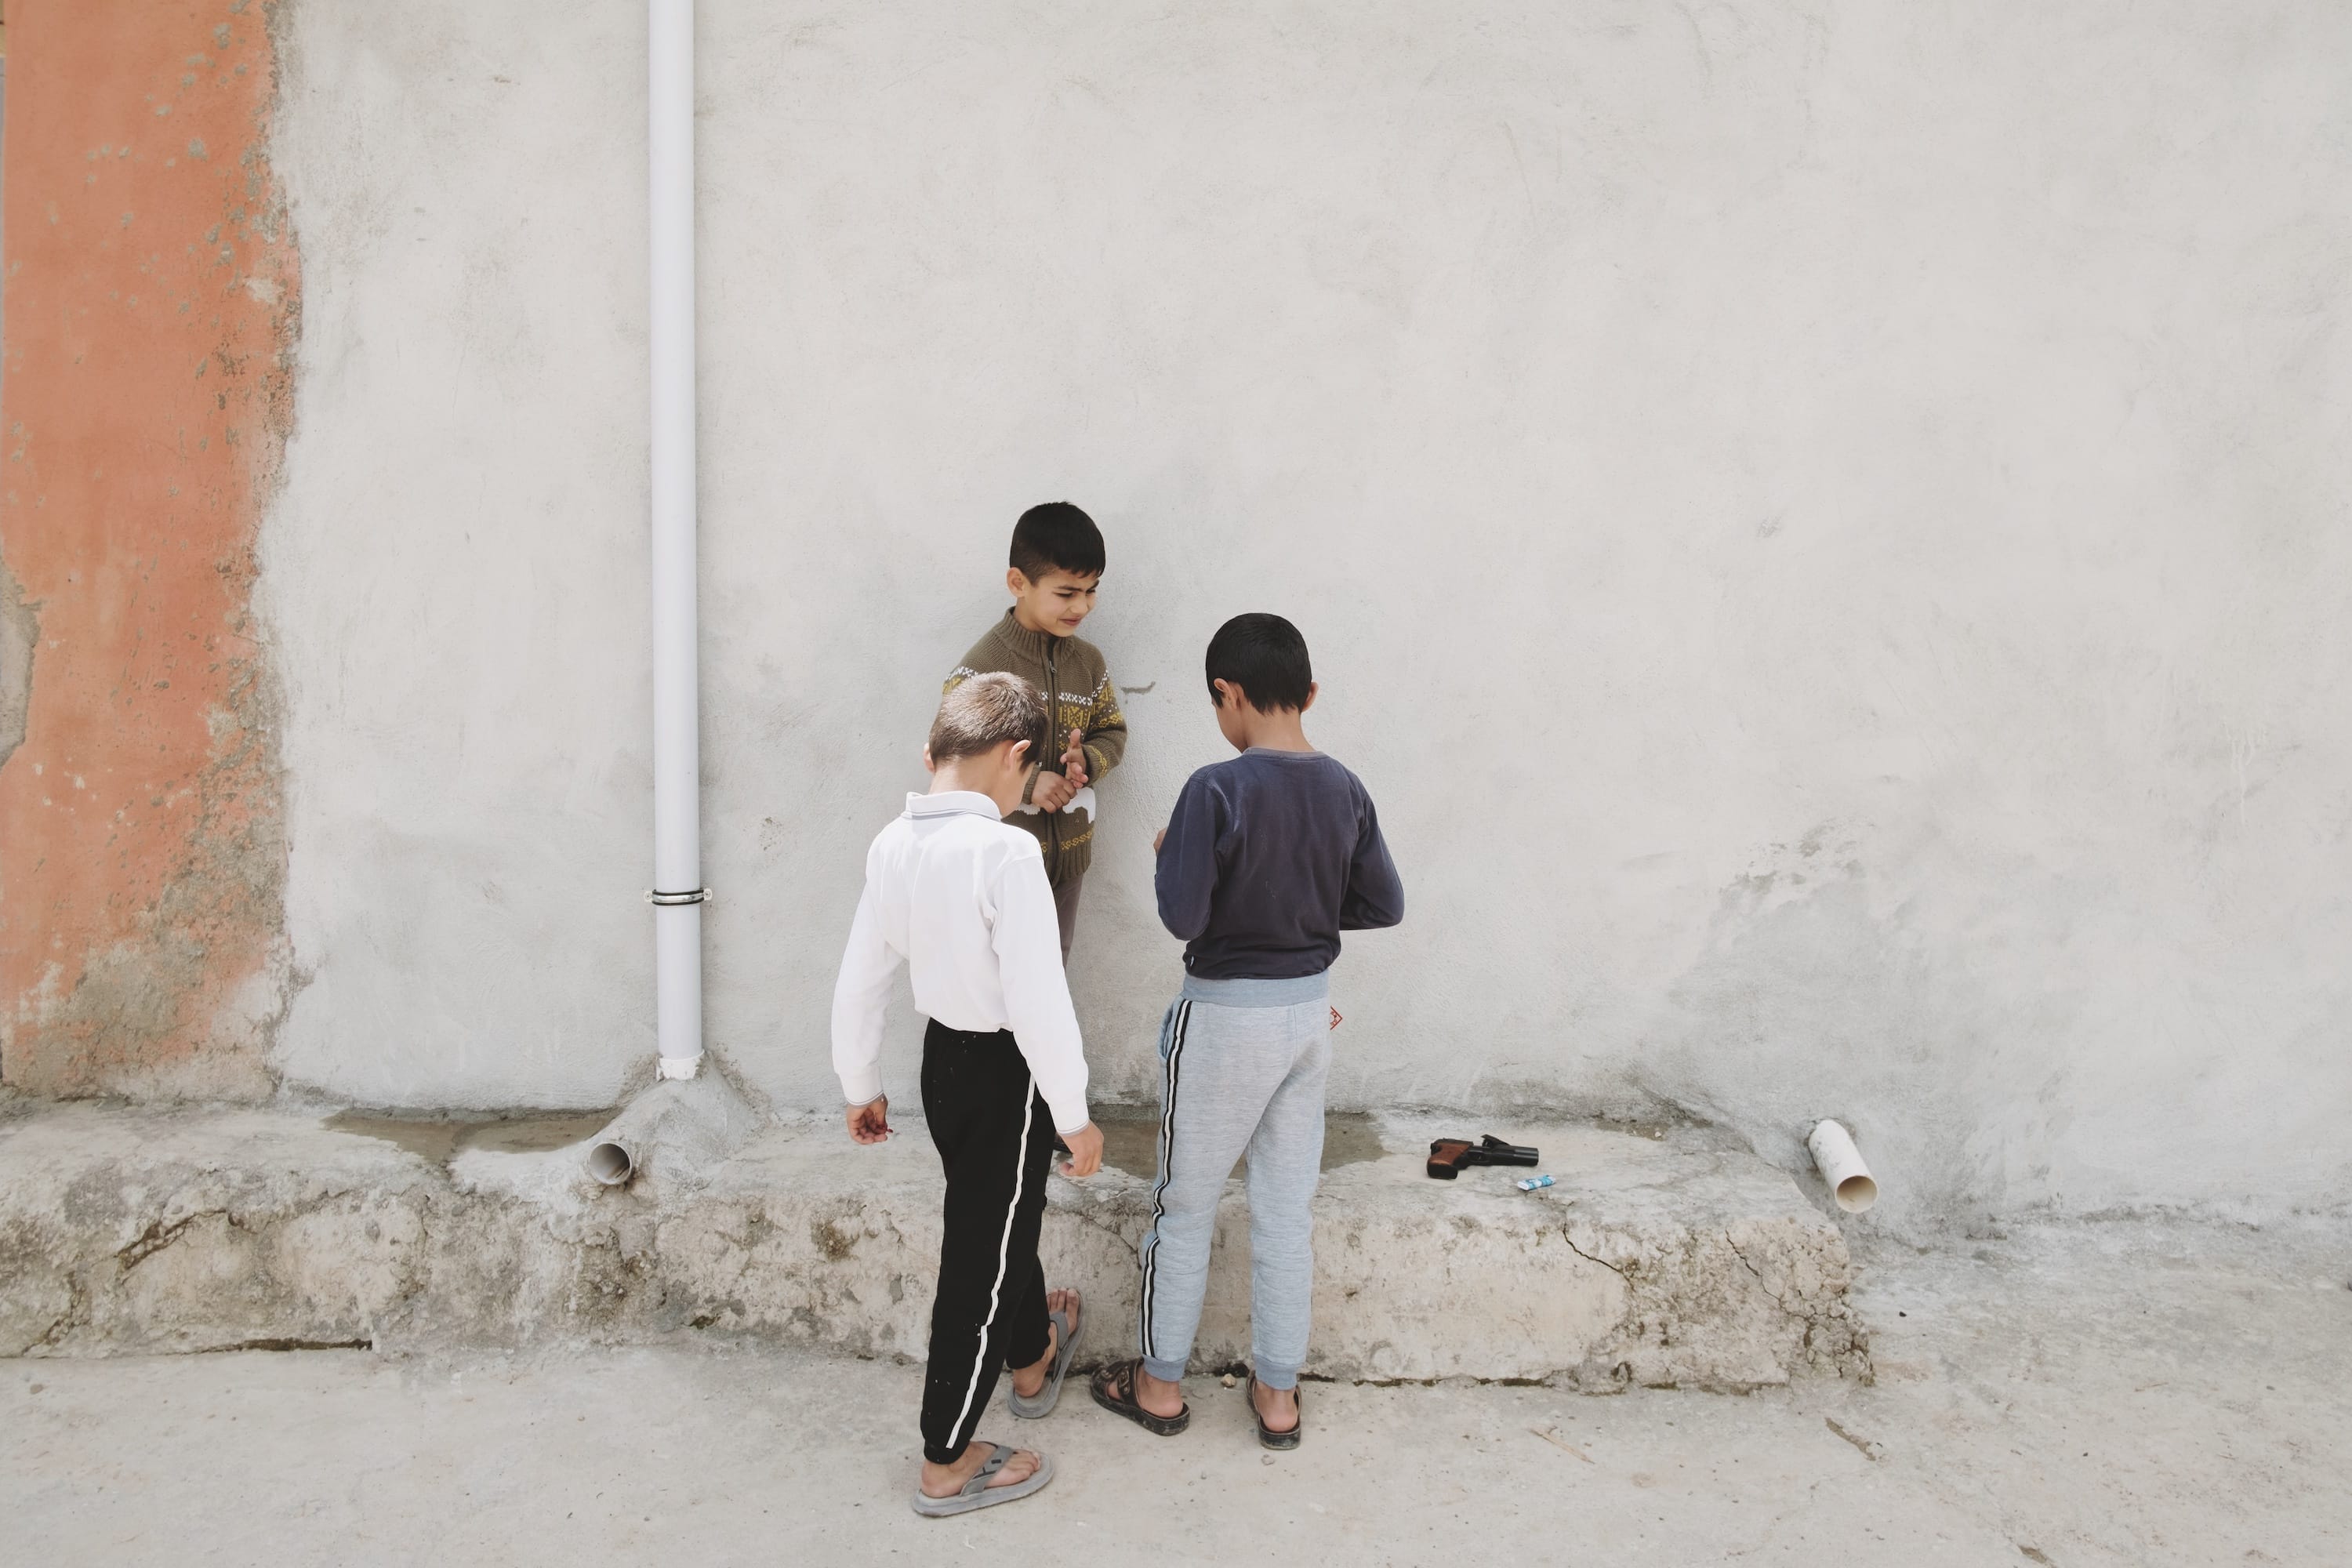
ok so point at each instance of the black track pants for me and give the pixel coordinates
(995, 1137)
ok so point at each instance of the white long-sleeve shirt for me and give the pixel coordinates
(962, 899)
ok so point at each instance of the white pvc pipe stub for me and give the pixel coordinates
(612, 1163)
(1840, 1163)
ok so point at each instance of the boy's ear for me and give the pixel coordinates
(929, 766)
(1020, 750)
(1312, 687)
(1222, 689)
(1016, 584)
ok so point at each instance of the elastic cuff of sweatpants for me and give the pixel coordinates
(1165, 1370)
(1281, 1379)
(943, 1456)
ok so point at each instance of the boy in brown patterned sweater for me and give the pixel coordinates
(1056, 563)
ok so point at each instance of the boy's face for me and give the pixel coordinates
(1055, 603)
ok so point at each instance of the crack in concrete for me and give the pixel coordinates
(1870, 1450)
(1760, 1280)
(76, 1305)
(155, 1238)
(1809, 1318)
(1604, 1263)
(1812, 1321)
(77, 1311)
(1109, 1226)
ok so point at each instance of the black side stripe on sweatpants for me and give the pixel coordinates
(1167, 1164)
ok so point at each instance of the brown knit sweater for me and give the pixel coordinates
(1070, 671)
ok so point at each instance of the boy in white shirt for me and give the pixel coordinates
(962, 898)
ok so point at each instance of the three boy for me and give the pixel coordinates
(1267, 857)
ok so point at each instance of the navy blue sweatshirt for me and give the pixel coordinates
(1268, 859)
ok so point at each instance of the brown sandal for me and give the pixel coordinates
(1114, 1389)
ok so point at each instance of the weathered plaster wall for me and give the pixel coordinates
(152, 299)
(1822, 525)
(456, 567)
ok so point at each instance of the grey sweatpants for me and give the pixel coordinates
(1242, 1064)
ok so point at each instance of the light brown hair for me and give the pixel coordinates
(986, 712)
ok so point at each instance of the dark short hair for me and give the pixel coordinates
(983, 713)
(1053, 536)
(1265, 656)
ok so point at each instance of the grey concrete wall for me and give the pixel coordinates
(1823, 526)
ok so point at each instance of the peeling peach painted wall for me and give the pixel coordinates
(151, 308)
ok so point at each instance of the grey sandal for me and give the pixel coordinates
(1066, 1341)
(978, 1493)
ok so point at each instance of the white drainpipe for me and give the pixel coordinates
(677, 1131)
(677, 892)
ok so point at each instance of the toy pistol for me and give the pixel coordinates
(1448, 1155)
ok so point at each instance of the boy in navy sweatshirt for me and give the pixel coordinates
(1265, 861)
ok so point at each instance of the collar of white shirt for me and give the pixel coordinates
(952, 802)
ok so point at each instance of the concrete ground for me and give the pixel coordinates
(2076, 1395)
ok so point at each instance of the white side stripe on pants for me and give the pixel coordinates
(1004, 1248)
(1167, 1158)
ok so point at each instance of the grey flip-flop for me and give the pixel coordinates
(1065, 1342)
(978, 1493)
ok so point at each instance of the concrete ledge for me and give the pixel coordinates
(1655, 1261)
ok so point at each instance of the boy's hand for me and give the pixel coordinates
(1158, 839)
(1085, 1151)
(1055, 791)
(870, 1123)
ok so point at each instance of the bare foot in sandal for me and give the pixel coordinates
(946, 1480)
(1277, 1408)
(1028, 1382)
(1157, 1396)
(1120, 1389)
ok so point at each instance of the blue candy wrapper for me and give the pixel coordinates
(1532, 1183)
